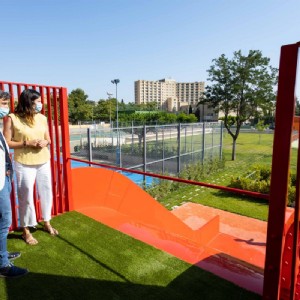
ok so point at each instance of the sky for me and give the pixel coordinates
(87, 43)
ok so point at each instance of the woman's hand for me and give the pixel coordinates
(42, 143)
(37, 143)
(32, 143)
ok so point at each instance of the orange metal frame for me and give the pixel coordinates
(279, 284)
(117, 196)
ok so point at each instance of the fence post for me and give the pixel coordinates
(203, 142)
(185, 138)
(81, 142)
(212, 141)
(156, 137)
(120, 149)
(145, 153)
(131, 137)
(94, 127)
(89, 145)
(192, 142)
(221, 140)
(163, 149)
(178, 147)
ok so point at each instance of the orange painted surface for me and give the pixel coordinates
(228, 245)
(296, 123)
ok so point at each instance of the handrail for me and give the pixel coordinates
(208, 185)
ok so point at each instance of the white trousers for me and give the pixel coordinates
(26, 176)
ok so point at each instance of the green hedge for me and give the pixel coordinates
(258, 178)
(195, 172)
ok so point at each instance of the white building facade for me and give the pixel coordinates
(168, 94)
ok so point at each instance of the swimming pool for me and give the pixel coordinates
(136, 178)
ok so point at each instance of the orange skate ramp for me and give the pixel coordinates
(112, 199)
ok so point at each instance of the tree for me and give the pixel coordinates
(198, 112)
(297, 110)
(105, 110)
(79, 108)
(242, 87)
(260, 127)
(184, 118)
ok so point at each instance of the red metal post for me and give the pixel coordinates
(65, 139)
(280, 170)
(57, 205)
(42, 98)
(52, 160)
(19, 89)
(12, 98)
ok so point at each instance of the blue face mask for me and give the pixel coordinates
(38, 106)
(3, 112)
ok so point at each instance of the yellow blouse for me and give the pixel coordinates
(23, 132)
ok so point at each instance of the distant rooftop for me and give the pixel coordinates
(167, 80)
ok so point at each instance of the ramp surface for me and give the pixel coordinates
(228, 250)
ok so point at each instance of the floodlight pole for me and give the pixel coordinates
(109, 97)
(116, 81)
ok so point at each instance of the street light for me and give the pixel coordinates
(118, 153)
(116, 81)
(109, 97)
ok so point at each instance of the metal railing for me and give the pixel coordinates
(154, 148)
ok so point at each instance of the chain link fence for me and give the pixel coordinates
(149, 148)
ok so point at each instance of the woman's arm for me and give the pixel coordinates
(47, 136)
(8, 134)
(47, 139)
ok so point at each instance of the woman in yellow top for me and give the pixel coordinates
(26, 131)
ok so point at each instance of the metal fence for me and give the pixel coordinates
(158, 148)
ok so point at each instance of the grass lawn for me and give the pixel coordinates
(91, 261)
(250, 149)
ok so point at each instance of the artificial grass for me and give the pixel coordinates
(250, 149)
(89, 260)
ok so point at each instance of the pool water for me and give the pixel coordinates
(136, 178)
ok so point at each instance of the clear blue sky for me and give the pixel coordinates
(86, 43)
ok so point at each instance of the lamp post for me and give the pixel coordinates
(118, 154)
(116, 81)
(109, 97)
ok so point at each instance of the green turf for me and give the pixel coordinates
(91, 261)
(250, 149)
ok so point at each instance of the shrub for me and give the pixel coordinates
(195, 172)
(258, 179)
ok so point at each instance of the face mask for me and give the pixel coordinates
(38, 107)
(3, 112)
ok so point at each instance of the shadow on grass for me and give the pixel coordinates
(185, 287)
(224, 195)
(56, 270)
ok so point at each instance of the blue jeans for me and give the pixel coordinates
(5, 221)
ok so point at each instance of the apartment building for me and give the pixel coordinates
(168, 94)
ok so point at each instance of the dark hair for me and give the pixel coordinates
(4, 95)
(25, 107)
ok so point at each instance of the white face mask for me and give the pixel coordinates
(3, 112)
(38, 106)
